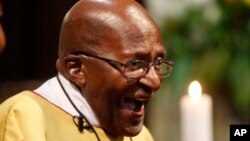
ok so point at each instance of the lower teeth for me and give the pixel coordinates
(132, 104)
(129, 103)
(137, 108)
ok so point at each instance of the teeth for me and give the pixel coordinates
(138, 105)
(132, 104)
(129, 103)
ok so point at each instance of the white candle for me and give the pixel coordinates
(196, 115)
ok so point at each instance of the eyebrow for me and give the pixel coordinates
(146, 56)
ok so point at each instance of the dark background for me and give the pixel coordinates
(32, 31)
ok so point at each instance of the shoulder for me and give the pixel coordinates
(21, 100)
(18, 114)
(21, 103)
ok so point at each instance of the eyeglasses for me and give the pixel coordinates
(138, 68)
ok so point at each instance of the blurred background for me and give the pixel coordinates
(209, 41)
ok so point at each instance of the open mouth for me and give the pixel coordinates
(133, 104)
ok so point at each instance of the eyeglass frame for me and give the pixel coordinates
(117, 64)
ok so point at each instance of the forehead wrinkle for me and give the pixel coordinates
(145, 30)
(137, 37)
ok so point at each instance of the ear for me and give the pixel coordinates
(75, 71)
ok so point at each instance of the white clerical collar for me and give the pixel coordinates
(53, 92)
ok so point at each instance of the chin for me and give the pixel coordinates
(134, 131)
(130, 130)
(125, 130)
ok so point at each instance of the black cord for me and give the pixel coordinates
(81, 117)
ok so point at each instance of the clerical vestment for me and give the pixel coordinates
(29, 117)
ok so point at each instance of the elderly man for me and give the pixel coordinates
(111, 61)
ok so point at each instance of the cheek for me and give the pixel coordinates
(104, 93)
(114, 118)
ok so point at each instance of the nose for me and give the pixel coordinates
(152, 80)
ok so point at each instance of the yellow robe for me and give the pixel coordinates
(29, 117)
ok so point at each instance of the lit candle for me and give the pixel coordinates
(196, 115)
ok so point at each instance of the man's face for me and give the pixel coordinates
(119, 102)
(119, 30)
(123, 32)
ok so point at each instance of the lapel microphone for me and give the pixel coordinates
(81, 117)
(80, 123)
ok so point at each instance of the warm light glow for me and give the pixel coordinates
(194, 90)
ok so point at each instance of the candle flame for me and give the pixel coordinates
(194, 90)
